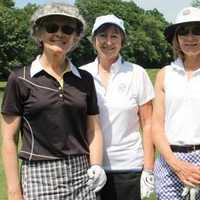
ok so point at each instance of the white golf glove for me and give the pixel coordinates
(97, 177)
(190, 192)
(146, 184)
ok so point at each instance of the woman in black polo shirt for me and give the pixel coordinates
(55, 107)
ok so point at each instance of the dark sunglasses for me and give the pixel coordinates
(53, 28)
(185, 30)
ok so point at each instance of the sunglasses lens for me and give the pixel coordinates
(51, 28)
(67, 29)
(196, 30)
(182, 31)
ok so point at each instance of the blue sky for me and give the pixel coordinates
(169, 8)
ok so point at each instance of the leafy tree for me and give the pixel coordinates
(16, 47)
(7, 3)
(196, 3)
(145, 43)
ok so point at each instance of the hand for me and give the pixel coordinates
(146, 184)
(191, 192)
(187, 172)
(97, 177)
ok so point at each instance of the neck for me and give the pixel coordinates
(54, 63)
(192, 62)
(105, 64)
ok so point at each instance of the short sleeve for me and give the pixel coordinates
(92, 106)
(146, 90)
(12, 101)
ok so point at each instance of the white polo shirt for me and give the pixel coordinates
(128, 87)
(182, 105)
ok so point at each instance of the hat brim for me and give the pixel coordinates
(170, 30)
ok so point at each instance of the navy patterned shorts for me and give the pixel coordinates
(168, 185)
(56, 180)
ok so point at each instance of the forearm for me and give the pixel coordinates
(95, 141)
(96, 149)
(163, 147)
(10, 163)
(9, 131)
(149, 150)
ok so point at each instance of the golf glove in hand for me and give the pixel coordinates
(97, 177)
(190, 192)
(146, 184)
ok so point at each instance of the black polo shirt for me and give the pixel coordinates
(54, 118)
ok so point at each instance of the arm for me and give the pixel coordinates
(97, 176)
(9, 129)
(145, 113)
(188, 173)
(95, 140)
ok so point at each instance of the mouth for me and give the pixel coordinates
(58, 41)
(191, 44)
(108, 48)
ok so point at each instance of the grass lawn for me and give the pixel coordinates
(151, 72)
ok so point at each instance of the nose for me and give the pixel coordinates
(109, 40)
(59, 32)
(190, 35)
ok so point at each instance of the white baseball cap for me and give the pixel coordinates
(185, 16)
(108, 19)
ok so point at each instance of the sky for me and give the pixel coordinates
(169, 8)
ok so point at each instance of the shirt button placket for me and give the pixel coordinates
(60, 92)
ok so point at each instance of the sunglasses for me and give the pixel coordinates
(185, 30)
(53, 28)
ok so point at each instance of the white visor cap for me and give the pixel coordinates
(108, 19)
(189, 14)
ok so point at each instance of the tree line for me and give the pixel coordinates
(145, 44)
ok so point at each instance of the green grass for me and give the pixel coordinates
(3, 196)
(152, 74)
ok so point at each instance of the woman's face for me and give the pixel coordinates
(189, 39)
(58, 35)
(108, 42)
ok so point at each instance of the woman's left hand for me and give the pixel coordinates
(97, 177)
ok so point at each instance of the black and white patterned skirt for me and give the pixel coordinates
(56, 180)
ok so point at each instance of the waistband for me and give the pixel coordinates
(185, 148)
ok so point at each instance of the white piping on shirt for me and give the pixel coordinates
(32, 138)
(43, 87)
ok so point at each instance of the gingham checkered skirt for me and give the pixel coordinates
(56, 180)
(168, 185)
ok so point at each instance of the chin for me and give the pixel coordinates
(60, 51)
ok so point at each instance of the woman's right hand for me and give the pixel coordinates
(187, 172)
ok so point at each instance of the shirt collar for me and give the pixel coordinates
(36, 67)
(179, 66)
(115, 67)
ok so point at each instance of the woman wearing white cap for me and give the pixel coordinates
(55, 107)
(124, 94)
(176, 124)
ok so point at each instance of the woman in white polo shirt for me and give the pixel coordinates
(125, 96)
(176, 124)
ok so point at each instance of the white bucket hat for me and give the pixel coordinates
(108, 19)
(185, 16)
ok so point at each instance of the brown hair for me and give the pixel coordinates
(177, 52)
